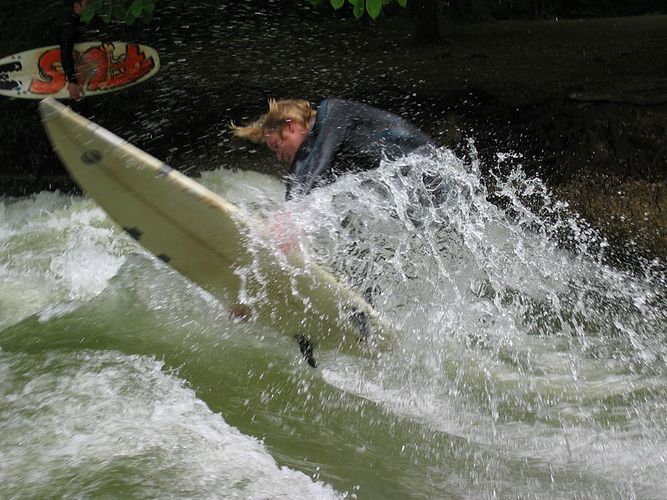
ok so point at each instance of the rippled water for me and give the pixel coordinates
(525, 366)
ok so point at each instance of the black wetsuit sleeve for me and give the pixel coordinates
(68, 37)
(313, 170)
(349, 137)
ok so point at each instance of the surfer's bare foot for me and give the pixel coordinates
(239, 312)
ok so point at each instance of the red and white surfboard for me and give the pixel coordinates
(102, 67)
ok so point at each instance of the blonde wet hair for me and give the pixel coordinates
(280, 112)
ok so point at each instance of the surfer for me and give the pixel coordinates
(338, 137)
(68, 37)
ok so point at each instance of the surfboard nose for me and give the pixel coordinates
(49, 108)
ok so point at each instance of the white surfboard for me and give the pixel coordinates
(102, 67)
(208, 240)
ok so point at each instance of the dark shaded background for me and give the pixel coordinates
(579, 99)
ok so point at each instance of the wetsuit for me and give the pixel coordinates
(68, 37)
(348, 136)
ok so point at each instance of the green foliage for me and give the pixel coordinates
(475, 10)
(127, 11)
(372, 7)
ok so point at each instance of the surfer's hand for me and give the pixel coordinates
(285, 236)
(240, 312)
(75, 91)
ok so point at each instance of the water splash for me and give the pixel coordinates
(516, 332)
(526, 365)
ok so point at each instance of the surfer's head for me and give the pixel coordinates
(283, 128)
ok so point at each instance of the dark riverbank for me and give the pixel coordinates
(584, 102)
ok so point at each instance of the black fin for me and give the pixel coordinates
(164, 258)
(135, 232)
(306, 348)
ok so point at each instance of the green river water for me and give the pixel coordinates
(524, 368)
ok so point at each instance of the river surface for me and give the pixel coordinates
(525, 367)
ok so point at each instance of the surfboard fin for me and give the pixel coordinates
(306, 347)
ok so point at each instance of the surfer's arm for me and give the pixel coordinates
(317, 168)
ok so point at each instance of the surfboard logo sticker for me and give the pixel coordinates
(91, 157)
(6, 83)
(11, 67)
(98, 66)
(164, 170)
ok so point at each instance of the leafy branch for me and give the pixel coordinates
(127, 11)
(372, 7)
